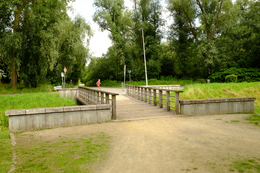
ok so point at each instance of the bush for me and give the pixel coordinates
(243, 75)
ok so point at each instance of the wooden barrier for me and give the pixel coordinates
(90, 96)
(156, 96)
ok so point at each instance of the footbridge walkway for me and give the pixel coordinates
(134, 102)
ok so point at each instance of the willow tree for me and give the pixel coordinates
(214, 17)
(41, 39)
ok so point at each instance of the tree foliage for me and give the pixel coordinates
(38, 39)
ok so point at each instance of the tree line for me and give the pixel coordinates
(205, 37)
(38, 39)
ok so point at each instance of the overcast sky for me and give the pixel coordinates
(100, 42)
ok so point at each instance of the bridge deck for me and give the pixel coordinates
(130, 108)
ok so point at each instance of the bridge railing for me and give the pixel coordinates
(88, 96)
(156, 96)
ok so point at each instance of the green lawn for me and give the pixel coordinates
(22, 101)
(43, 155)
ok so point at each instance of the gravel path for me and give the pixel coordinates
(201, 144)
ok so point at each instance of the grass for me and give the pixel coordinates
(27, 101)
(6, 151)
(222, 90)
(163, 81)
(23, 101)
(254, 119)
(246, 165)
(62, 154)
(21, 89)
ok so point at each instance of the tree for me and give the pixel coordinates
(215, 16)
(40, 40)
(112, 16)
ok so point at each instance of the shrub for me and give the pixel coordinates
(243, 75)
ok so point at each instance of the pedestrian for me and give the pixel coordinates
(98, 84)
(71, 81)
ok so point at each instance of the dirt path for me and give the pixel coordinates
(175, 144)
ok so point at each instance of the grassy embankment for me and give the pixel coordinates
(223, 90)
(23, 101)
(21, 89)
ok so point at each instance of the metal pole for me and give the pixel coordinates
(64, 80)
(144, 60)
(124, 74)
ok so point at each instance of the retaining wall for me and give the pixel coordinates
(69, 93)
(217, 106)
(42, 118)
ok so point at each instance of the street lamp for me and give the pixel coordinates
(144, 58)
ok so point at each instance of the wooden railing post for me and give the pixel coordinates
(102, 98)
(177, 103)
(98, 98)
(114, 106)
(154, 97)
(142, 94)
(138, 93)
(107, 98)
(168, 100)
(149, 96)
(145, 94)
(160, 99)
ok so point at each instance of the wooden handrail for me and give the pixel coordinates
(143, 92)
(92, 96)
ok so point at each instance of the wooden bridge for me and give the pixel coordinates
(135, 102)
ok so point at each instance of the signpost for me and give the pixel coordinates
(62, 76)
(129, 71)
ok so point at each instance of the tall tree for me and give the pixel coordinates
(112, 16)
(214, 17)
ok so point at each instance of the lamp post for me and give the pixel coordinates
(144, 58)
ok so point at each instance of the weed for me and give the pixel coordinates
(219, 119)
(246, 165)
(195, 168)
(234, 121)
(254, 119)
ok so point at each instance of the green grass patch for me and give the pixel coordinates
(247, 165)
(6, 151)
(22, 101)
(254, 119)
(63, 154)
(234, 121)
(27, 101)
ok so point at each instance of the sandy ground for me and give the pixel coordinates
(174, 144)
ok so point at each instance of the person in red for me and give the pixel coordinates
(98, 84)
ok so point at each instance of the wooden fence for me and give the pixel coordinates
(92, 96)
(156, 96)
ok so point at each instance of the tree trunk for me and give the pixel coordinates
(13, 76)
(16, 26)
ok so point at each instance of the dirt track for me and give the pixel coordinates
(174, 144)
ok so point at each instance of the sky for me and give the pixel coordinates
(100, 42)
